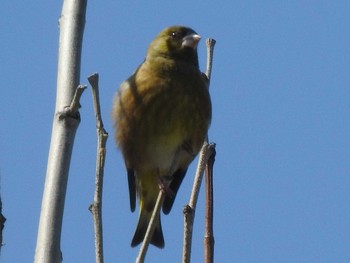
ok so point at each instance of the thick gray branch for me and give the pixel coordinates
(65, 124)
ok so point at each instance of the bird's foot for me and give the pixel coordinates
(164, 182)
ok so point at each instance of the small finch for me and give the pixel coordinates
(162, 113)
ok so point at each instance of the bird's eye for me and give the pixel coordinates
(175, 34)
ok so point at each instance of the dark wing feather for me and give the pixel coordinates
(132, 189)
(174, 186)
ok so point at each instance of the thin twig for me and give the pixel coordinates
(75, 105)
(150, 229)
(209, 199)
(93, 80)
(209, 236)
(210, 42)
(72, 111)
(204, 155)
(102, 136)
(189, 210)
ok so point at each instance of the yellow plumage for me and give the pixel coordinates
(162, 114)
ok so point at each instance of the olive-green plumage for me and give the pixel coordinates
(162, 113)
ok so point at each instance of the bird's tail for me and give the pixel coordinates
(144, 218)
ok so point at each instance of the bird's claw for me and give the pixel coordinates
(164, 182)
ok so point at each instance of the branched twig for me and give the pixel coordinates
(209, 233)
(65, 125)
(102, 135)
(75, 105)
(189, 210)
(206, 152)
(50, 224)
(72, 111)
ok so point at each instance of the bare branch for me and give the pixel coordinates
(209, 236)
(204, 155)
(210, 42)
(75, 105)
(189, 210)
(209, 232)
(65, 124)
(93, 79)
(102, 136)
(150, 229)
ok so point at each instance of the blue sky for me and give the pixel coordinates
(280, 93)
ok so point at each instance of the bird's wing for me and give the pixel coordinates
(132, 188)
(174, 186)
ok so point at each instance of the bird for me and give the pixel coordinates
(161, 115)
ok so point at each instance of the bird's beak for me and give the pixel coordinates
(191, 40)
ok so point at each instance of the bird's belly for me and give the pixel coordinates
(162, 150)
(168, 124)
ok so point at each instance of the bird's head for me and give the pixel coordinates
(176, 42)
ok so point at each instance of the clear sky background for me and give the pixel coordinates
(281, 121)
